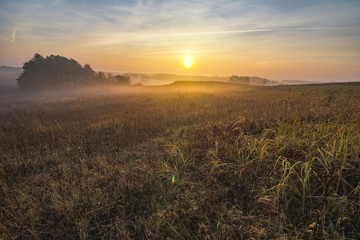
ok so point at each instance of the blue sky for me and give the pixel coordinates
(311, 40)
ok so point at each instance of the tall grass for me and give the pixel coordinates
(264, 163)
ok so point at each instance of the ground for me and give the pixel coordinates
(248, 162)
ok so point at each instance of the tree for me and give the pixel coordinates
(54, 71)
(241, 79)
(122, 80)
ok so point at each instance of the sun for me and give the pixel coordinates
(187, 62)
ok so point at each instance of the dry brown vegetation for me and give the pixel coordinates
(261, 163)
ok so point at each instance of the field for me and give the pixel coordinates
(184, 161)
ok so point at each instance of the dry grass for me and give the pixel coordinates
(261, 163)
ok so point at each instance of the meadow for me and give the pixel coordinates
(184, 161)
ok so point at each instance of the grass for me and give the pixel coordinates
(261, 163)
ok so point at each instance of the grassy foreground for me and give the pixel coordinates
(180, 163)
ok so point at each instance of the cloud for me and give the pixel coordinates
(13, 35)
(284, 32)
(245, 31)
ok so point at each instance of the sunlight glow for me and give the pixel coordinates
(187, 62)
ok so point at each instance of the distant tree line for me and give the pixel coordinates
(239, 79)
(252, 80)
(57, 71)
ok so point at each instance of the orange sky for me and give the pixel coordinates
(305, 40)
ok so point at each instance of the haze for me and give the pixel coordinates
(307, 40)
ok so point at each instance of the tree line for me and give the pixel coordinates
(58, 71)
(239, 79)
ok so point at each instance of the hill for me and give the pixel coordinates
(206, 86)
(297, 82)
(201, 83)
(262, 81)
(165, 78)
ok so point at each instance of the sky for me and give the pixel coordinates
(316, 40)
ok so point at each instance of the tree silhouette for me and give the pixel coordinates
(122, 79)
(57, 71)
(241, 79)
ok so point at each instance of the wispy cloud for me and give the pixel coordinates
(275, 30)
(248, 31)
(13, 35)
